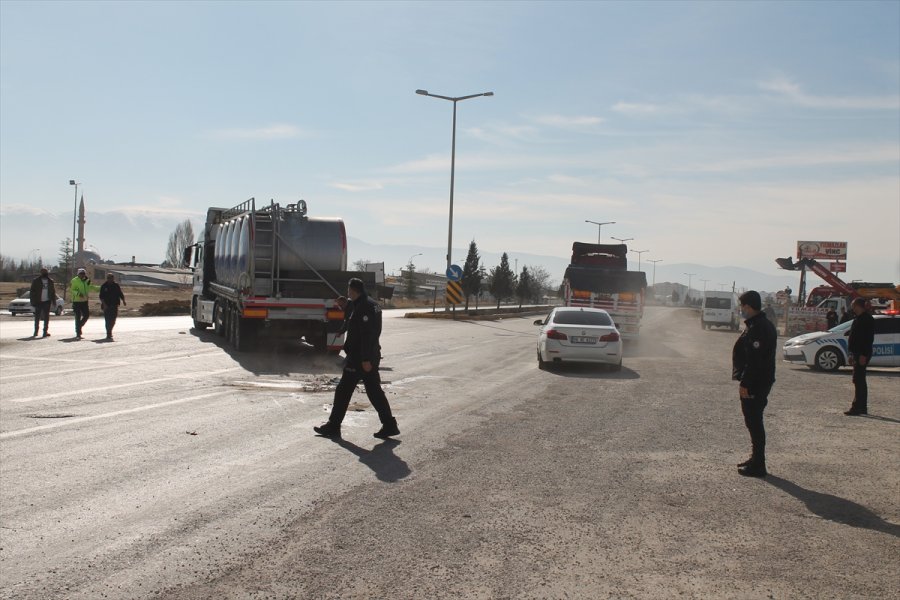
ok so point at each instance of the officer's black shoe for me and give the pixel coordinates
(752, 470)
(387, 430)
(746, 463)
(328, 429)
(855, 413)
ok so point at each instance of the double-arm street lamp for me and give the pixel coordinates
(454, 100)
(654, 261)
(621, 240)
(639, 252)
(600, 225)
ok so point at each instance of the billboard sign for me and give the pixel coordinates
(822, 250)
(837, 267)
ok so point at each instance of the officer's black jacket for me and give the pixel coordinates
(862, 336)
(363, 330)
(753, 356)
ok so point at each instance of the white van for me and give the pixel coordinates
(720, 309)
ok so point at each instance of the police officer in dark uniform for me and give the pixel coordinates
(859, 347)
(363, 356)
(753, 364)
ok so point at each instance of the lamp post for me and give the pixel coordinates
(654, 261)
(454, 100)
(31, 260)
(621, 240)
(689, 286)
(411, 289)
(639, 252)
(704, 284)
(600, 225)
(74, 221)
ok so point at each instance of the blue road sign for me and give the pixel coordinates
(454, 273)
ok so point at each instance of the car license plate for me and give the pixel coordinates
(583, 340)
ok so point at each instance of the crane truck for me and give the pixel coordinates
(598, 277)
(270, 271)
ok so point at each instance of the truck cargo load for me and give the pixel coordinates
(271, 271)
(598, 278)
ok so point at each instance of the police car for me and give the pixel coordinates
(827, 350)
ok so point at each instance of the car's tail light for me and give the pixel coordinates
(610, 337)
(553, 334)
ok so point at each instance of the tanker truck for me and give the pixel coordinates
(270, 272)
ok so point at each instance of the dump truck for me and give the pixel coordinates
(271, 272)
(598, 277)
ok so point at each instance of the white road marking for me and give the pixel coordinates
(158, 358)
(117, 386)
(19, 432)
(58, 360)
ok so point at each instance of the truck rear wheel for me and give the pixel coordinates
(318, 340)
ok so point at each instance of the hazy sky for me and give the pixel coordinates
(715, 133)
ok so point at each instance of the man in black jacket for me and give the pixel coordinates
(753, 364)
(363, 356)
(42, 297)
(859, 347)
(110, 296)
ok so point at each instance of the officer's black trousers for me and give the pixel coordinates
(353, 374)
(82, 314)
(753, 418)
(861, 389)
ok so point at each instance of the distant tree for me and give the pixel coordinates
(503, 280)
(524, 287)
(540, 280)
(360, 265)
(66, 263)
(7, 268)
(472, 274)
(181, 238)
(409, 280)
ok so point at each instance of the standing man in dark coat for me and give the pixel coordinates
(753, 364)
(363, 356)
(859, 347)
(110, 296)
(42, 297)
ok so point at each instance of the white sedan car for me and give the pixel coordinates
(827, 350)
(22, 305)
(587, 335)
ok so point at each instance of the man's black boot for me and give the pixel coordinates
(747, 462)
(754, 469)
(328, 429)
(387, 430)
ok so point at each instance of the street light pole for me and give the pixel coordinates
(689, 286)
(621, 240)
(639, 253)
(74, 221)
(600, 225)
(454, 100)
(31, 260)
(654, 261)
(704, 285)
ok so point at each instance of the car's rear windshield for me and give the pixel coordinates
(581, 317)
(717, 303)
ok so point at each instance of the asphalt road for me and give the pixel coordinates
(162, 466)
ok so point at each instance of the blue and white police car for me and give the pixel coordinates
(827, 350)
